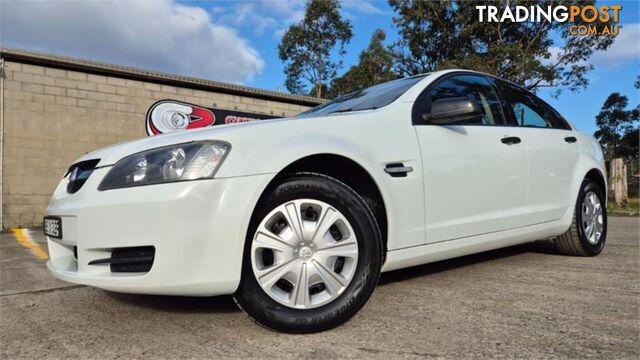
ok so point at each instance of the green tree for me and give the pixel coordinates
(630, 142)
(375, 66)
(308, 48)
(617, 128)
(436, 35)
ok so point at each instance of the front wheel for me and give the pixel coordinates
(588, 232)
(312, 257)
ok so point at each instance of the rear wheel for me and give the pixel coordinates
(588, 232)
(312, 256)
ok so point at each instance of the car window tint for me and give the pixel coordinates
(528, 110)
(369, 98)
(525, 116)
(475, 88)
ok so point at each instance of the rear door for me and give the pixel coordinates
(475, 172)
(553, 153)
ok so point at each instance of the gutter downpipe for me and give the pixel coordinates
(1, 140)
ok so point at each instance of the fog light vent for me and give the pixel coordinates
(129, 260)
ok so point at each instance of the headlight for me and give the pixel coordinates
(190, 161)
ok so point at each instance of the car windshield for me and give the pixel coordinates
(373, 97)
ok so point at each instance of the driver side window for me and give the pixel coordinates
(476, 89)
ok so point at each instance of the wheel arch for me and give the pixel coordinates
(347, 171)
(598, 177)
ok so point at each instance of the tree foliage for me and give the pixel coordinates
(307, 47)
(436, 35)
(375, 66)
(617, 127)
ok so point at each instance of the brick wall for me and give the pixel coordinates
(53, 116)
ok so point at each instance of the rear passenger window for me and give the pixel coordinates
(528, 110)
(526, 116)
(475, 88)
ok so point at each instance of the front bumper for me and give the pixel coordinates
(197, 228)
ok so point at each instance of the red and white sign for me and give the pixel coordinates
(167, 116)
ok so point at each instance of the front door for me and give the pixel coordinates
(475, 170)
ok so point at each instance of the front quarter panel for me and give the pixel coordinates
(370, 138)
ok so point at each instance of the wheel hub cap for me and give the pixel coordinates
(304, 253)
(592, 218)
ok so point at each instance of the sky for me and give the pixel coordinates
(236, 41)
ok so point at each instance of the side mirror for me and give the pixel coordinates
(452, 110)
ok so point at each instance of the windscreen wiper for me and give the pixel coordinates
(352, 109)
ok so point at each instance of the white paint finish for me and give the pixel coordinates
(404, 258)
(552, 164)
(477, 191)
(370, 138)
(197, 228)
(474, 184)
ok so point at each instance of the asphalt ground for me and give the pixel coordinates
(522, 301)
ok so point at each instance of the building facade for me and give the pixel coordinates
(55, 109)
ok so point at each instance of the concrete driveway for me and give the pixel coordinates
(522, 301)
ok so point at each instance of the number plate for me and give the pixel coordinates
(53, 226)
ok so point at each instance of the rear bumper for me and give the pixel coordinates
(197, 228)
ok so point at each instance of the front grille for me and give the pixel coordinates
(79, 173)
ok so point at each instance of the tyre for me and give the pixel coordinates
(588, 231)
(312, 256)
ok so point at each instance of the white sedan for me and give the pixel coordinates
(298, 217)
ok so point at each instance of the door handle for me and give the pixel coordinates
(510, 140)
(397, 169)
(570, 139)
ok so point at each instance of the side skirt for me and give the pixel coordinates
(418, 255)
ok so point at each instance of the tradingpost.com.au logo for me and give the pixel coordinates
(588, 20)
